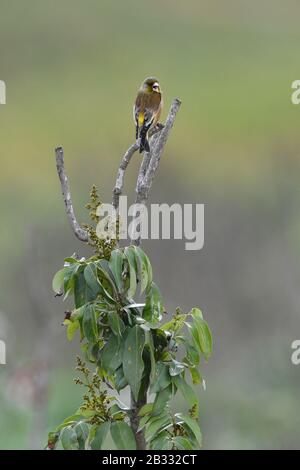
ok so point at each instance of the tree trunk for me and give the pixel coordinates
(135, 421)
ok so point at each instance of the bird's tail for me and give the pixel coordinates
(144, 144)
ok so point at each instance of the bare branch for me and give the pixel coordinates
(145, 183)
(135, 421)
(118, 188)
(117, 191)
(151, 161)
(146, 161)
(79, 232)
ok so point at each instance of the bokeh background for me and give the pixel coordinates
(72, 69)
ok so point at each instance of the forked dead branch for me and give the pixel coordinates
(148, 168)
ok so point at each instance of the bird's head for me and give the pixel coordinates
(151, 85)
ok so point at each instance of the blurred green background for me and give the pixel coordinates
(72, 69)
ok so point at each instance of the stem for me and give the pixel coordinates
(135, 420)
(79, 232)
(151, 161)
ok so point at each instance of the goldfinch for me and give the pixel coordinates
(147, 110)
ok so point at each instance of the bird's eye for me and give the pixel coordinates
(155, 87)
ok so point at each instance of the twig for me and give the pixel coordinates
(150, 163)
(118, 188)
(145, 183)
(117, 191)
(135, 407)
(146, 161)
(80, 233)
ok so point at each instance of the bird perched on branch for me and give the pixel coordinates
(147, 110)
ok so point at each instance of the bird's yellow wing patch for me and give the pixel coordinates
(141, 118)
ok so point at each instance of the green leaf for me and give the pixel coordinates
(133, 364)
(106, 273)
(77, 314)
(72, 327)
(123, 436)
(157, 424)
(157, 299)
(85, 412)
(82, 432)
(98, 434)
(145, 269)
(130, 256)
(161, 379)
(205, 339)
(90, 276)
(71, 259)
(201, 334)
(182, 443)
(116, 266)
(111, 356)
(69, 277)
(89, 324)
(146, 409)
(154, 304)
(116, 412)
(105, 280)
(53, 438)
(196, 313)
(148, 314)
(150, 346)
(120, 381)
(161, 400)
(116, 323)
(58, 280)
(160, 441)
(70, 420)
(192, 354)
(168, 445)
(160, 339)
(192, 425)
(82, 292)
(176, 368)
(135, 306)
(186, 390)
(68, 438)
(143, 422)
(196, 376)
(175, 324)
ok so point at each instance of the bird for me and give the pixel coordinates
(147, 110)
